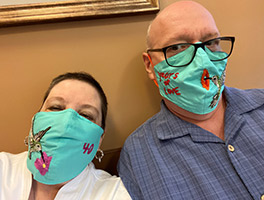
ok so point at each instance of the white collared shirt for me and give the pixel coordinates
(91, 183)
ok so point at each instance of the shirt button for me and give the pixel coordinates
(262, 197)
(231, 148)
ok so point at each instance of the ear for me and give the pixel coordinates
(149, 66)
(101, 139)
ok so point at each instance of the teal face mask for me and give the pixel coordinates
(61, 144)
(196, 87)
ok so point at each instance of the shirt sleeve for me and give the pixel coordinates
(127, 176)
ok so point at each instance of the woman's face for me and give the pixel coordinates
(77, 95)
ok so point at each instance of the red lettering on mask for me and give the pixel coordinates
(176, 75)
(172, 91)
(167, 82)
(165, 91)
(167, 75)
(87, 148)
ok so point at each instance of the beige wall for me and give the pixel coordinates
(110, 49)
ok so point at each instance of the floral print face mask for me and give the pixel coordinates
(196, 87)
(60, 145)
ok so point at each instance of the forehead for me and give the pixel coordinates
(182, 23)
(76, 92)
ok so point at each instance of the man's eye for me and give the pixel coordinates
(178, 48)
(175, 47)
(214, 45)
(210, 43)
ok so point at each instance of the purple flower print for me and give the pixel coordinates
(42, 166)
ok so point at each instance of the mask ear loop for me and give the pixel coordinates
(155, 81)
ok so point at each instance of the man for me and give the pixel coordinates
(207, 141)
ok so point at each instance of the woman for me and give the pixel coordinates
(64, 138)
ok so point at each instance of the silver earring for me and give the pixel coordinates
(99, 158)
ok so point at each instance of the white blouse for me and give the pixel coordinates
(94, 184)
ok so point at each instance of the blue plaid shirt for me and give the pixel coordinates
(168, 158)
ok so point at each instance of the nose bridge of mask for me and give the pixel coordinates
(72, 119)
(64, 116)
(200, 55)
(68, 117)
(75, 121)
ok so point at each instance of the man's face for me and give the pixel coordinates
(181, 22)
(184, 24)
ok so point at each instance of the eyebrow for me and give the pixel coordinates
(188, 37)
(55, 98)
(210, 36)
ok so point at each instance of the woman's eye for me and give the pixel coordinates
(87, 116)
(55, 108)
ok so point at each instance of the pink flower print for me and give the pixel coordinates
(42, 166)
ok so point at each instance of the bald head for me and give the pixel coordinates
(183, 21)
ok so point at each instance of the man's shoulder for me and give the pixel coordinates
(248, 92)
(143, 131)
(143, 128)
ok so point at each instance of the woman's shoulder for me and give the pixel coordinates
(12, 164)
(95, 184)
(110, 183)
(15, 179)
(9, 158)
(100, 174)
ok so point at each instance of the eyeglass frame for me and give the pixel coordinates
(196, 46)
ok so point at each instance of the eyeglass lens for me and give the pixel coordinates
(211, 47)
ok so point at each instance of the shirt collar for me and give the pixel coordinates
(243, 101)
(169, 126)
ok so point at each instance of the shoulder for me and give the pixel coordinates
(8, 160)
(163, 125)
(103, 184)
(146, 129)
(99, 174)
(143, 132)
(247, 92)
(13, 170)
(92, 176)
(110, 185)
(11, 165)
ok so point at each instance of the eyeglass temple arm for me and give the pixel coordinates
(155, 50)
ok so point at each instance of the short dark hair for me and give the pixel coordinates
(87, 78)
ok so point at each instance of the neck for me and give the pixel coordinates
(41, 191)
(212, 122)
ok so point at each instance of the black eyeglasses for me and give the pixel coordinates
(217, 49)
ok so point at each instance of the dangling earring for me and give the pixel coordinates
(99, 158)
